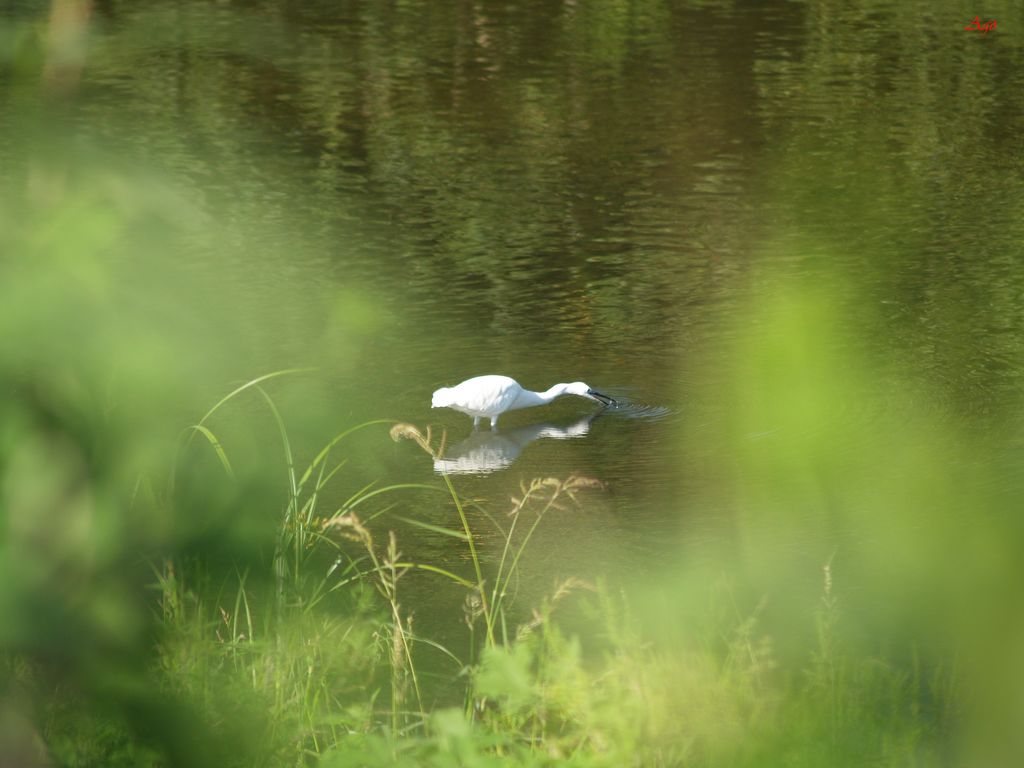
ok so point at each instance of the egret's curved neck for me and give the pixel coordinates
(556, 391)
(528, 398)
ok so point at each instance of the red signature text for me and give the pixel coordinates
(981, 26)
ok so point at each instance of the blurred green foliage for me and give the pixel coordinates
(860, 609)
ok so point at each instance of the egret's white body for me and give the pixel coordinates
(490, 396)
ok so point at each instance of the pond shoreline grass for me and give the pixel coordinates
(310, 655)
(536, 693)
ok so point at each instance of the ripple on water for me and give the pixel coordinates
(627, 407)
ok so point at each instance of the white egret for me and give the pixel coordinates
(490, 396)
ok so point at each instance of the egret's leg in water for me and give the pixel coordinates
(476, 422)
(494, 422)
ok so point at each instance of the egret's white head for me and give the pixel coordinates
(583, 390)
(442, 398)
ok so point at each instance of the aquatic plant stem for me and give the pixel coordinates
(473, 555)
(498, 594)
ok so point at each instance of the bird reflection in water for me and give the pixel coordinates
(484, 452)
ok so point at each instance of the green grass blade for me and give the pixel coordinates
(438, 646)
(326, 478)
(358, 494)
(431, 527)
(215, 444)
(333, 442)
(258, 380)
(440, 571)
(386, 489)
(286, 444)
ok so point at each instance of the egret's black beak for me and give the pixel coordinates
(603, 399)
